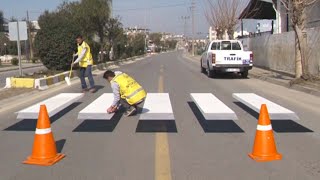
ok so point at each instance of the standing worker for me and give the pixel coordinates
(126, 91)
(85, 62)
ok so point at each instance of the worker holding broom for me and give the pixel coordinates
(127, 92)
(85, 62)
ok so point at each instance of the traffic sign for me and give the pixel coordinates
(13, 31)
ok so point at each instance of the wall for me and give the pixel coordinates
(277, 52)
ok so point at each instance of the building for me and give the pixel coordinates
(212, 34)
(239, 34)
(313, 16)
(133, 31)
(275, 10)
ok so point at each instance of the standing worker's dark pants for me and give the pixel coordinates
(83, 72)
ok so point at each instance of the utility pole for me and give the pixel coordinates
(19, 49)
(29, 36)
(185, 18)
(145, 33)
(193, 6)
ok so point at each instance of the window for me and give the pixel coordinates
(236, 46)
(218, 45)
(225, 45)
(214, 46)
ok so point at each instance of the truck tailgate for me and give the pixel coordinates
(233, 57)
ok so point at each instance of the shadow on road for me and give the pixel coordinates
(214, 126)
(227, 76)
(30, 124)
(60, 144)
(154, 126)
(99, 125)
(279, 126)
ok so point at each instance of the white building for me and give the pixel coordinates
(239, 33)
(212, 34)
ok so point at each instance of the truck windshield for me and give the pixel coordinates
(227, 45)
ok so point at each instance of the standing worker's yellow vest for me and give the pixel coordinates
(87, 59)
(130, 90)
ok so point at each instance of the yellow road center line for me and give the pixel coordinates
(162, 167)
(162, 155)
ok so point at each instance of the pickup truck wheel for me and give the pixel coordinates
(203, 70)
(210, 73)
(244, 74)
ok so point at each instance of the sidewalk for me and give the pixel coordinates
(278, 78)
(284, 80)
(24, 66)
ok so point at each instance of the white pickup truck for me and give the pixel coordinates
(226, 56)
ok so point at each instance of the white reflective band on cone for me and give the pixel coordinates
(264, 128)
(43, 131)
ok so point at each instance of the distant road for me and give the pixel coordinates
(11, 73)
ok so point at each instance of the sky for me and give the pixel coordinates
(157, 15)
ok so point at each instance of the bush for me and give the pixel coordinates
(34, 60)
(55, 41)
(15, 61)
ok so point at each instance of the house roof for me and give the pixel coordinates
(259, 9)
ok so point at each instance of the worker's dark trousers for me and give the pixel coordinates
(83, 72)
(126, 105)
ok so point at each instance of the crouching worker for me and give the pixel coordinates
(127, 92)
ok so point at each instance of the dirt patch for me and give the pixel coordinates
(7, 93)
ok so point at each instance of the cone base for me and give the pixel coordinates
(265, 158)
(44, 162)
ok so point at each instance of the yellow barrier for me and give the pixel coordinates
(22, 82)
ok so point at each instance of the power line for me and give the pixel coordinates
(154, 7)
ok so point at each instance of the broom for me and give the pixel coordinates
(67, 79)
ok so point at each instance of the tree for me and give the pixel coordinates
(94, 16)
(223, 15)
(114, 35)
(1, 22)
(298, 14)
(55, 41)
(116, 38)
(137, 44)
(156, 38)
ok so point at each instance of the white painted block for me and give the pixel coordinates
(212, 108)
(8, 82)
(157, 106)
(54, 105)
(55, 80)
(41, 84)
(254, 102)
(97, 110)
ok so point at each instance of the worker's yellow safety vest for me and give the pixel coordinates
(87, 59)
(130, 90)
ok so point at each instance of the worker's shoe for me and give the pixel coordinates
(93, 90)
(130, 111)
(85, 90)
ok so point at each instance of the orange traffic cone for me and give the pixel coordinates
(44, 150)
(264, 148)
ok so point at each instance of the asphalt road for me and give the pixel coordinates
(12, 73)
(192, 149)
